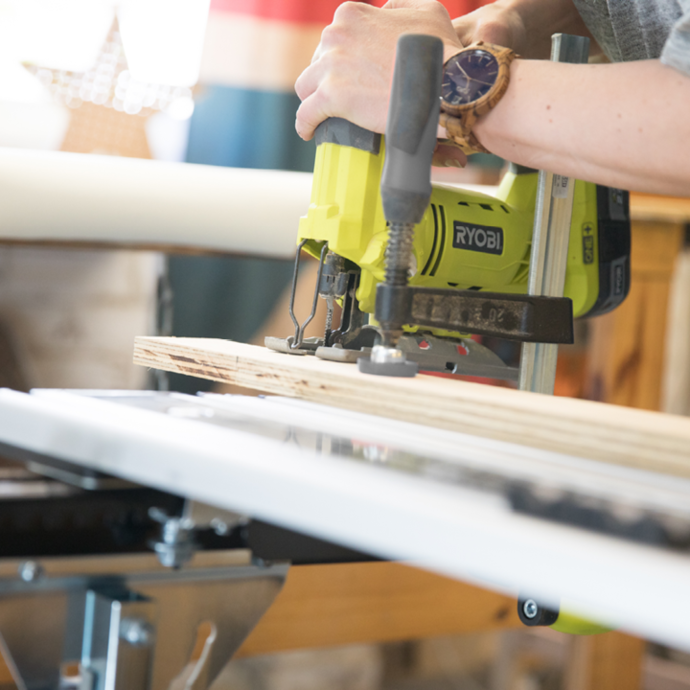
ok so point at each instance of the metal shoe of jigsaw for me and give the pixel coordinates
(434, 264)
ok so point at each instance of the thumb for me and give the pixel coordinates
(447, 155)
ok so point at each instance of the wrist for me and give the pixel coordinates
(494, 129)
(474, 82)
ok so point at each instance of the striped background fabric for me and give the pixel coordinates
(244, 117)
(254, 52)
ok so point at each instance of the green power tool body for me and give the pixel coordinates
(466, 240)
(436, 263)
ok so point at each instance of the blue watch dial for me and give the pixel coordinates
(468, 76)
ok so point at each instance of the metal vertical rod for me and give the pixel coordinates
(163, 316)
(550, 238)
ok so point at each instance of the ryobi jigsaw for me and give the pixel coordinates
(433, 265)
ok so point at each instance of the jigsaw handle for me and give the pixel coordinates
(336, 130)
(411, 128)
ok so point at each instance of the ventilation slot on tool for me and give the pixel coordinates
(442, 243)
(434, 244)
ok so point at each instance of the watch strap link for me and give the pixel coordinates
(461, 134)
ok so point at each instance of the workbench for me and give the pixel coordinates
(626, 356)
(396, 490)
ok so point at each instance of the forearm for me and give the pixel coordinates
(594, 122)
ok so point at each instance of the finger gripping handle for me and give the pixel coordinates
(411, 128)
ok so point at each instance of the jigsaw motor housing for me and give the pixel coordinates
(466, 239)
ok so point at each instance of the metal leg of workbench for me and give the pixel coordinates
(127, 623)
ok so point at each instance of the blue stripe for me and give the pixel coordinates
(244, 128)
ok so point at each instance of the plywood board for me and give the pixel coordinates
(635, 438)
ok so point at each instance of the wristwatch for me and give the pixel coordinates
(474, 80)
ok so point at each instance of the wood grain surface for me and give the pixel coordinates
(606, 662)
(636, 438)
(328, 605)
(650, 207)
(626, 351)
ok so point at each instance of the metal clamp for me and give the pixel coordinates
(176, 545)
(104, 623)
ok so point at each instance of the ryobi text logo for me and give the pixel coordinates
(478, 238)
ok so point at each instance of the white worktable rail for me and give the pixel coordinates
(441, 526)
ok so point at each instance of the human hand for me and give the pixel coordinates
(448, 155)
(495, 23)
(525, 26)
(351, 72)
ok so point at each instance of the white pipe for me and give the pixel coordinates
(72, 197)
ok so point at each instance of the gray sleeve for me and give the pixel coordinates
(676, 52)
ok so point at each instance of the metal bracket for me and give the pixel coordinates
(465, 357)
(110, 623)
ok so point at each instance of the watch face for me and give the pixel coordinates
(468, 76)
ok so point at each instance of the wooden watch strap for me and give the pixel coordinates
(461, 134)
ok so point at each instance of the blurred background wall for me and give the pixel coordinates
(83, 76)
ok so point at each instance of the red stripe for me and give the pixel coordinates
(304, 11)
(456, 8)
(318, 11)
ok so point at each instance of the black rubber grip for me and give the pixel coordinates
(411, 128)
